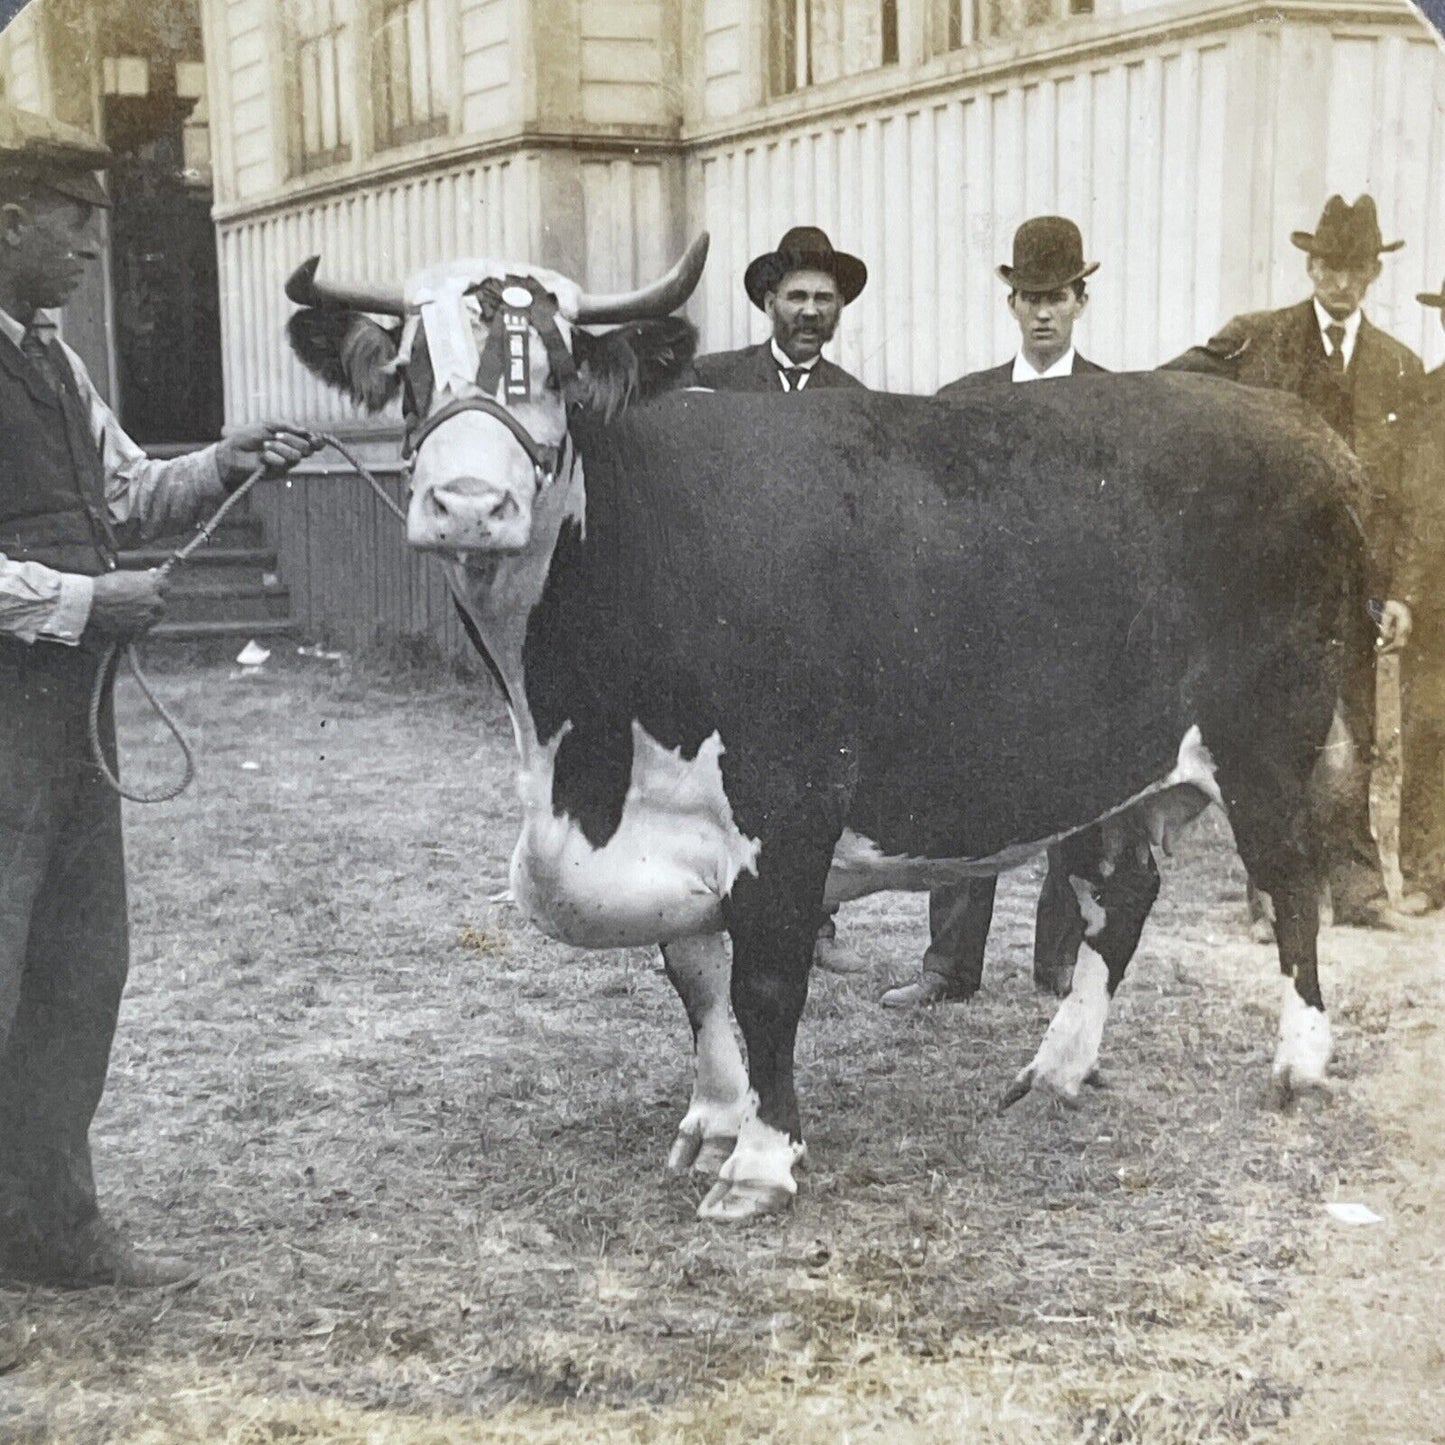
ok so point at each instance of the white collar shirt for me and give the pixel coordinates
(1024, 371)
(1351, 323)
(785, 362)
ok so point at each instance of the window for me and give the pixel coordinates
(409, 49)
(814, 41)
(970, 20)
(325, 77)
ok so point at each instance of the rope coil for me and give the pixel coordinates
(110, 658)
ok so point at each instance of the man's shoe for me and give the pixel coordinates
(1369, 915)
(927, 988)
(834, 957)
(97, 1254)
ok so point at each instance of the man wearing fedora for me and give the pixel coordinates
(802, 288)
(1420, 581)
(1047, 294)
(1325, 350)
(71, 484)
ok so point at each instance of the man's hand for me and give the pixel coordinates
(125, 604)
(1395, 624)
(276, 445)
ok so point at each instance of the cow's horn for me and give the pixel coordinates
(303, 288)
(661, 298)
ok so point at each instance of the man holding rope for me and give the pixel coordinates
(70, 481)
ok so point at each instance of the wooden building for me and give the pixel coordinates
(1187, 137)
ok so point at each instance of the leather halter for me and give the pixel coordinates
(542, 457)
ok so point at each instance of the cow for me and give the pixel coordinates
(760, 655)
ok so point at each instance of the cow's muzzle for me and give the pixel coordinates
(467, 514)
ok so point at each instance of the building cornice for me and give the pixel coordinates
(441, 156)
(1078, 41)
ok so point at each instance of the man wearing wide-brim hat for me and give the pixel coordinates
(72, 485)
(1047, 294)
(1326, 350)
(1421, 584)
(802, 287)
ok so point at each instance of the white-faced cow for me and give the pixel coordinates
(762, 653)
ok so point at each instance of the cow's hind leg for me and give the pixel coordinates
(1274, 832)
(699, 969)
(1112, 871)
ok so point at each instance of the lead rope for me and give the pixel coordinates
(110, 658)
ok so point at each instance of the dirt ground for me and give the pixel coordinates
(415, 1150)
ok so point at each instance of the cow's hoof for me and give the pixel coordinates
(1057, 981)
(1034, 1081)
(700, 1154)
(1290, 1085)
(732, 1202)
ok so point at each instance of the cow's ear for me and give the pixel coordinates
(634, 361)
(348, 351)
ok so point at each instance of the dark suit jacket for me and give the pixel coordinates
(1420, 580)
(754, 369)
(1006, 373)
(1282, 350)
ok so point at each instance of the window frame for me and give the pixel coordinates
(298, 47)
(385, 135)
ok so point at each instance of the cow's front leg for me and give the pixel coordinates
(773, 923)
(1116, 880)
(699, 969)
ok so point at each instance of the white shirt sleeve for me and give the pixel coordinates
(37, 602)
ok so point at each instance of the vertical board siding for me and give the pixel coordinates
(1137, 148)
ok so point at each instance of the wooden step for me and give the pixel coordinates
(250, 603)
(262, 557)
(199, 631)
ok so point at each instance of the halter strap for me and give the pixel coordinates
(544, 458)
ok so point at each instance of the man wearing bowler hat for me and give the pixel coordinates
(1325, 350)
(1421, 585)
(802, 288)
(71, 485)
(1047, 295)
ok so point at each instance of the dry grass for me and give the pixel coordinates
(418, 1147)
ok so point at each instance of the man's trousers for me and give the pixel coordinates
(63, 940)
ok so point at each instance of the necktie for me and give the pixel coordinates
(793, 376)
(37, 353)
(1336, 334)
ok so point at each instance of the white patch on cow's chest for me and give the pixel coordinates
(860, 867)
(662, 875)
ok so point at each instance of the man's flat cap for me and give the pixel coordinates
(39, 150)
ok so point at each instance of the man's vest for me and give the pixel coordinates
(52, 478)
